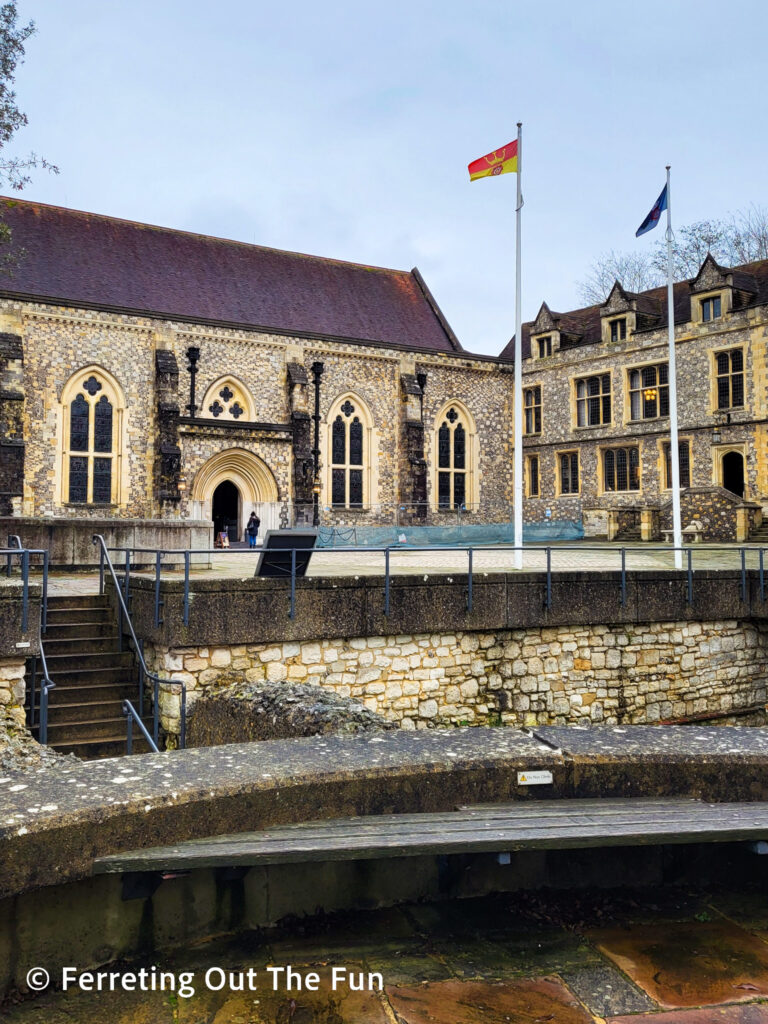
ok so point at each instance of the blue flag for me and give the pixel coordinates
(654, 216)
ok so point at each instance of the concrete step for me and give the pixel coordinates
(64, 601)
(111, 746)
(82, 661)
(63, 616)
(81, 645)
(72, 630)
(87, 677)
(70, 715)
(88, 730)
(92, 692)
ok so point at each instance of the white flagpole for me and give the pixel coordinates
(677, 529)
(518, 389)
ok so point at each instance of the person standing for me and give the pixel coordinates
(252, 529)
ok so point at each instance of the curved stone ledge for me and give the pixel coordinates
(53, 824)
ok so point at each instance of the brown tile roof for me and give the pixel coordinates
(752, 277)
(77, 258)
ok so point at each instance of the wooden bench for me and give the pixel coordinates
(494, 828)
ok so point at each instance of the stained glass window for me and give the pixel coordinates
(453, 459)
(91, 434)
(102, 481)
(79, 413)
(348, 457)
(356, 442)
(78, 479)
(102, 428)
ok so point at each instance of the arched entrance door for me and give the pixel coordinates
(225, 510)
(733, 473)
(232, 484)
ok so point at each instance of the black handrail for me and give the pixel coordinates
(548, 550)
(132, 715)
(157, 682)
(46, 685)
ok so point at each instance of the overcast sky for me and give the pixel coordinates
(344, 128)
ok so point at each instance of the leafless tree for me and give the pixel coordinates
(14, 170)
(740, 238)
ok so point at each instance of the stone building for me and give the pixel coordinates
(154, 380)
(596, 408)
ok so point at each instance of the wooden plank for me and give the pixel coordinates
(547, 825)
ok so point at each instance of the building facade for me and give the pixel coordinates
(151, 375)
(596, 408)
(155, 378)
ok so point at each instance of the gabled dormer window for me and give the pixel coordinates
(710, 309)
(544, 346)
(619, 329)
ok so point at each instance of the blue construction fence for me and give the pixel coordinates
(465, 535)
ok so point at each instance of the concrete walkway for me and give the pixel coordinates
(592, 556)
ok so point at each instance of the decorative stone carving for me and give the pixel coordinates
(11, 423)
(168, 459)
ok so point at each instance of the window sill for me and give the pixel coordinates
(354, 511)
(593, 426)
(650, 419)
(89, 504)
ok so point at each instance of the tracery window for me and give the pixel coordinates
(92, 408)
(228, 399)
(454, 463)
(349, 462)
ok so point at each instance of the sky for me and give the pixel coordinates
(344, 129)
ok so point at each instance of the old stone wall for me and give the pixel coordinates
(162, 455)
(634, 673)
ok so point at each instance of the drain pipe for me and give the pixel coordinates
(712, 716)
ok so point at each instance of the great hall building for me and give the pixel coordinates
(157, 384)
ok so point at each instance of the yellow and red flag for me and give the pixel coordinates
(501, 161)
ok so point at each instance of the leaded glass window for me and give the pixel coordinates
(452, 461)
(649, 392)
(684, 450)
(90, 442)
(621, 469)
(348, 457)
(593, 400)
(730, 378)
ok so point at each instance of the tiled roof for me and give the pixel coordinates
(78, 258)
(586, 323)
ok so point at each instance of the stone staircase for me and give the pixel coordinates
(629, 535)
(760, 535)
(92, 678)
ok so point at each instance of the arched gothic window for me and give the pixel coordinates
(228, 399)
(92, 408)
(349, 462)
(454, 473)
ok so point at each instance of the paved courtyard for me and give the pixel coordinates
(650, 956)
(240, 563)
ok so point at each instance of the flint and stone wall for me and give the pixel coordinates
(565, 676)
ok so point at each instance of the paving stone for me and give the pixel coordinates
(480, 1002)
(751, 1014)
(604, 990)
(686, 964)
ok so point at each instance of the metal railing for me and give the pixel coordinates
(124, 618)
(46, 685)
(15, 549)
(183, 557)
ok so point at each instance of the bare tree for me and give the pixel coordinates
(635, 270)
(14, 171)
(740, 238)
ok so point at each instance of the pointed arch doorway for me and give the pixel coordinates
(231, 485)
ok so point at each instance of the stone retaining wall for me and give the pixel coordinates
(632, 673)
